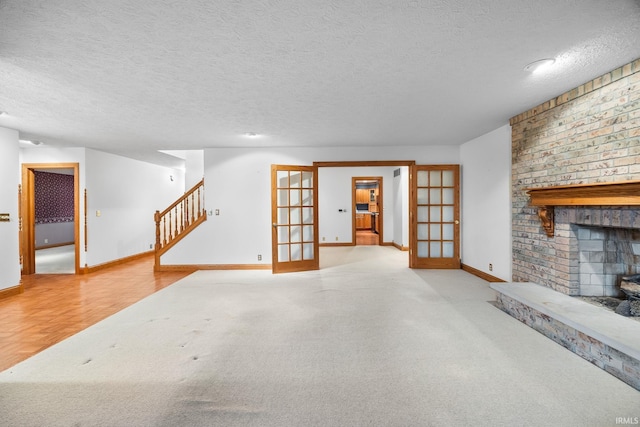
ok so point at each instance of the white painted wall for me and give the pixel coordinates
(126, 193)
(486, 202)
(9, 180)
(194, 168)
(44, 154)
(54, 233)
(401, 208)
(238, 182)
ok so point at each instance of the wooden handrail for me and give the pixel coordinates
(179, 219)
(187, 193)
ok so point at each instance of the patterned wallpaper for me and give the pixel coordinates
(53, 197)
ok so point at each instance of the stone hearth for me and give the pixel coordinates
(607, 340)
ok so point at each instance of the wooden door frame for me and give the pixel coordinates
(354, 180)
(371, 163)
(27, 210)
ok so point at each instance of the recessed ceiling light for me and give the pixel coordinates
(539, 65)
(3, 113)
(251, 134)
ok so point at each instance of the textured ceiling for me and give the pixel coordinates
(133, 77)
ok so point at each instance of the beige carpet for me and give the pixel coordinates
(363, 341)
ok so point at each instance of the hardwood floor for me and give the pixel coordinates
(367, 237)
(54, 306)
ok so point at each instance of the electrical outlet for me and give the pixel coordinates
(150, 245)
(259, 257)
(46, 241)
(324, 238)
(337, 238)
(490, 267)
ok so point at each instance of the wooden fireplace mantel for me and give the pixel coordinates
(625, 193)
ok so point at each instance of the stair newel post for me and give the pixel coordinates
(156, 217)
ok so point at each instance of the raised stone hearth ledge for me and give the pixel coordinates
(604, 338)
(625, 193)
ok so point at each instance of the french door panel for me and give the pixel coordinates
(294, 214)
(435, 216)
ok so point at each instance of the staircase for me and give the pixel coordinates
(178, 220)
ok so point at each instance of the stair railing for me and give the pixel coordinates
(179, 219)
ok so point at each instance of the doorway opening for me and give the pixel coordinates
(49, 218)
(367, 211)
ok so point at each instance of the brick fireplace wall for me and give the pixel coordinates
(587, 135)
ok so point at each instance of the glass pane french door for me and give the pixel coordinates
(294, 214)
(435, 216)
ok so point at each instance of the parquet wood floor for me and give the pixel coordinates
(55, 306)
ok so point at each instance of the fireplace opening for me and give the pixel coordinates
(609, 267)
(630, 285)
